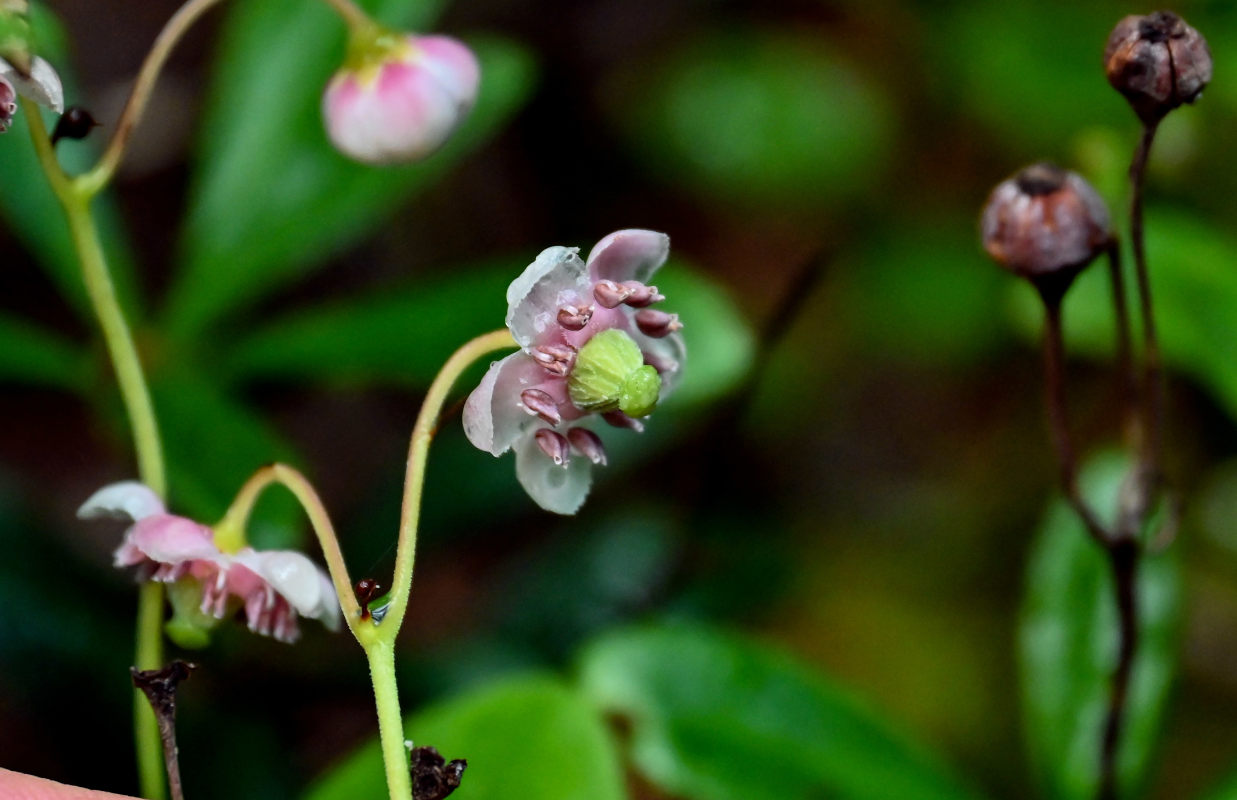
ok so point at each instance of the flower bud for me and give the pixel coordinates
(1158, 62)
(1045, 221)
(75, 123)
(398, 97)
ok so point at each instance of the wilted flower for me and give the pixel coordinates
(42, 85)
(398, 97)
(1044, 222)
(591, 346)
(273, 586)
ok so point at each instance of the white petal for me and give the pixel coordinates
(558, 276)
(328, 604)
(628, 255)
(43, 85)
(560, 489)
(290, 573)
(126, 500)
(493, 416)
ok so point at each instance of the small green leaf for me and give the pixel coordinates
(33, 355)
(212, 444)
(715, 717)
(762, 117)
(273, 198)
(1068, 643)
(31, 209)
(523, 737)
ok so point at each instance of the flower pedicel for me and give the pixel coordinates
(590, 346)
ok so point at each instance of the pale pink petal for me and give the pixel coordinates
(169, 539)
(560, 489)
(125, 500)
(494, 418)
(43, 86)
(452, 64)
(628, 255)
(555, 278)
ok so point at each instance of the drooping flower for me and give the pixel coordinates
(41, 84)
(591, 347)
(273, 586)
(399, 96)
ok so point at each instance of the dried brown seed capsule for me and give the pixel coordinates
(1158, 62)
(1045, 221)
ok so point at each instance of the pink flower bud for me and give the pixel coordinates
(398, 98)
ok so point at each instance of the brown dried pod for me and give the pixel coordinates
(1158, 62)
(1045, 222)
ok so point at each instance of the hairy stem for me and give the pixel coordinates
(414, 479)
(141, 413)
(381, 656)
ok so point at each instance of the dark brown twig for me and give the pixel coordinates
(1058, 419)
(159, 686)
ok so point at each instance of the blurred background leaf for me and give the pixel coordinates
(273, 199)
(1068, 644)
(523, 737)
(36, 356)
(715, 717)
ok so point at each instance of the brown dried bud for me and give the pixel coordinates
(1158, 62)
(75, 123)
(1045, 221)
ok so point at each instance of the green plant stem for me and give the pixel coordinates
(238, 514)
(140, 410)
(381, 657)
(92, 182)
(414, 478)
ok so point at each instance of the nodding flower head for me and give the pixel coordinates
(40, 83)
(591, 348)
(1045, 224)
(272, 586)
(398, 96)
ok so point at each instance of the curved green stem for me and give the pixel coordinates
(414, 479)
(381, 656)
(141, 413)
(238, 515)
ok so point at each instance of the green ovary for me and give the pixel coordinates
(610, 375)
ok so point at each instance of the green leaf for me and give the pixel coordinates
(30, 208)
(716, 717)
(33, 355)
(1068, 643)
(273, 198)
(761, 117)
(1226, 789)
(212, 444)
(523, 737)
(1195, 291)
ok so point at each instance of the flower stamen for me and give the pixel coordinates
(642, 296)
(541, 404)
(554, 445)
(574, 318)
(588, 444)
(657, 324)
(610, 294)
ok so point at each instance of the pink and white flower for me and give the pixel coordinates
(399, 97)
(273, 586)
(591, 347)
(41, 84)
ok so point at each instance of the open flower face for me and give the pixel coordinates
(399, 97)
(272, 586)
(592, 347)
